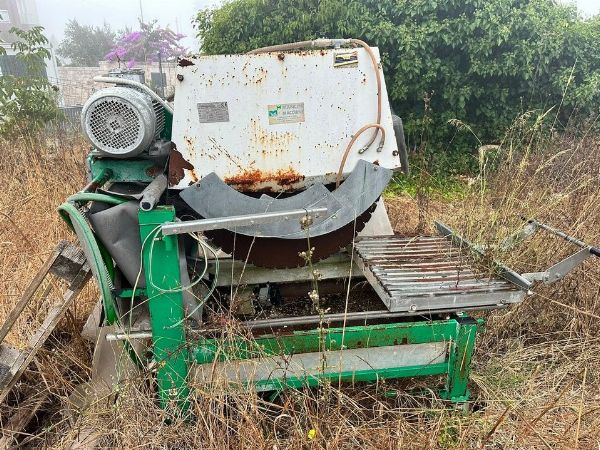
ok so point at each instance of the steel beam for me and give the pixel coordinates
(160, 257)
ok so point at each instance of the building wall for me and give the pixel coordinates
(22, 14)
(76, 84)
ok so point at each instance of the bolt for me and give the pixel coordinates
(180, 77)
(395, 153)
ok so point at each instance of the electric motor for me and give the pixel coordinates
(122, 122)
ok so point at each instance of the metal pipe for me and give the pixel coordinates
(573, 240)
(192, 226)
(315, 43)
(121, 336)
(152, 193)
(145, 88)
(307, 320)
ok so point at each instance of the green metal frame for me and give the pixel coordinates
(458, 333)
(127, 170)
(174, 354)
(160, 259)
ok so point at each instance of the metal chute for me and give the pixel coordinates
(277, 244)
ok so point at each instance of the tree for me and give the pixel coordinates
(146, 44)
(86, 45)
(27, 101)
(480, 61)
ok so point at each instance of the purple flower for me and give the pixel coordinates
(146, 44)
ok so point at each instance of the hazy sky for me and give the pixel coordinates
(177, 14)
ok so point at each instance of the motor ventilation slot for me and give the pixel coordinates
(122, 122)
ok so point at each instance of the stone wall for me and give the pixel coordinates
(75, 84)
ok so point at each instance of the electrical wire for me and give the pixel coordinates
(213, 287)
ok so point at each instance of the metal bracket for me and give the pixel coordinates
(559, 270)
(518, 237)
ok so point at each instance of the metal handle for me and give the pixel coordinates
(573, 240)
(217, 223)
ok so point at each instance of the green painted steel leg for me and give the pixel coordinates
(459, 361)
(165, 301)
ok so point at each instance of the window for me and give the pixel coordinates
(4, 17)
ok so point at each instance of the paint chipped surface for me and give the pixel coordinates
(177, 167)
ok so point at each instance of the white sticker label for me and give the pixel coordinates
(213, 112)
(286, 113)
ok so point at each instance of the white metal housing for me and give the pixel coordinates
(278, 121)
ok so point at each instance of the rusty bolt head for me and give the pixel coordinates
(281, 57)
(180, 77)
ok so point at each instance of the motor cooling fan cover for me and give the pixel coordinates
(121, 122)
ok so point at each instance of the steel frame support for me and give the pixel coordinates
(173, 354)
(459, 359)
(459, 333)
(160, 257)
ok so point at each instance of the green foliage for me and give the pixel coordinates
(86, 45)
(480, 61)
(27, 102)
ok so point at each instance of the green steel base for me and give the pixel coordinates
(390, 350)
(258, 361)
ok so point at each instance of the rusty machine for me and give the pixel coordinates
(227, 231)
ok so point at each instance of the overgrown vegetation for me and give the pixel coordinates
(480, 61)
(28, 101)
(535, 381)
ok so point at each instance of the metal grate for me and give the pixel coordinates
(428, 273)
(115, 124)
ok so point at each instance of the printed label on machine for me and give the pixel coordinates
(213, 112)
(345, 59)
(286, 113)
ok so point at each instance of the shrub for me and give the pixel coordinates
(28, 101)
(480, 61)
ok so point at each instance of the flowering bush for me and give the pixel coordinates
(146, 45)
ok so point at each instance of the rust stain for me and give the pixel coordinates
(269, 143)
(153, 171)
(177, 167)
(255, 179)
(184, 62)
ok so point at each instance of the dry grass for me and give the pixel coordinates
(536, 377)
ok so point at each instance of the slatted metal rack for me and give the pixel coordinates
(429, 273)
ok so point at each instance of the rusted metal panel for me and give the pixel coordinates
(276, 122)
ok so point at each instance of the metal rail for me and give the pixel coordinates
(192, 226)
(295, 321)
